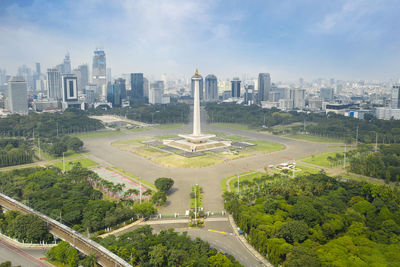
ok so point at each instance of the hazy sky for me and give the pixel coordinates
(344, 39)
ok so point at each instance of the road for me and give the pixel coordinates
(26, 257)
(218, 234)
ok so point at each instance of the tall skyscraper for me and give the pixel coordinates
(396, 96)
(67, 65)
(249, 94)
(200, 85)
(137, 87)
(146, 87)
(99, 71)
(211, 88)
(235, 85)
(156, 91)
(26, 73)
(264, 86)
(297, 98)
(121, 83)
(326, 94)
(83, 80)
(70, 88)
(54, 84)
(17, 96)
(36, 77)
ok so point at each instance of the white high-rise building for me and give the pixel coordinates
(99, 72)
(54, 84)
(17, 95)
(156, 92)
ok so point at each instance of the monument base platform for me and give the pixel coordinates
(196, 139)
(188, 146)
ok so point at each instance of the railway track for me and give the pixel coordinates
(87, 246)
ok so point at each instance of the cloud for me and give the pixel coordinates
(348, 16)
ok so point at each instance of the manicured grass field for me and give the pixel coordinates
(150, 152)
(266, 147)
(67, 155)
(168, 136)
(321, 159)
(177, 161)
(85, 162)
(300, 170)
(312, 138)
(240, 154)
(97, 134)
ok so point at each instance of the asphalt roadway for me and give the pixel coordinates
(24, 257)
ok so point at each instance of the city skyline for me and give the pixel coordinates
(347, 40)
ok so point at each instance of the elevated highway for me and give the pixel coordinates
(87, 246)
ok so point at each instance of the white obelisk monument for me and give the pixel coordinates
(196, 141)
(196, 105)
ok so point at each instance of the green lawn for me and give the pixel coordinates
(321, 159)
(177, 161)
(97, 134)
(266, 147)
(70, 163)
(168, 136)
(199, 197)
(235, 126)
(312, 138)
(67, 155)
(150, 152)
(300, 170)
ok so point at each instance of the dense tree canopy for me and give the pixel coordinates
(68, 197)
(383, 164)
(141, 247)
(170, 113)
(15, 152)
(24, 227)
(317, 220)
(332, 125)
(48, 124)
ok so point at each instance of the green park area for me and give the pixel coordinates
(85, 163)
(177, 161)
(325, 159)
(265, 147)
(313, 138)
(196, 197)
(67, 155)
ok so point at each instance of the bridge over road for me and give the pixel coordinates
(87, 246)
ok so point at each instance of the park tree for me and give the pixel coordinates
(164, 184)
(302, 256)
(293, 231)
